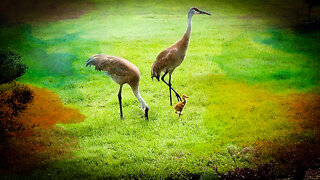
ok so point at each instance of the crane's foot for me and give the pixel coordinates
(178, 97)
(122, 118)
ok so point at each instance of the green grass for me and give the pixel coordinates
(232, 68)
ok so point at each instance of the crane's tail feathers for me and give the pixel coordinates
(90, 62)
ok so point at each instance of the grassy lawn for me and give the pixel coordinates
(251, 74)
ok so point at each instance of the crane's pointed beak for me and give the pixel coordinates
(202, 12)
(146, 111)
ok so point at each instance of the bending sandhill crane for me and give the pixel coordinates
(173, 56)
(122, 72)
(180, 105)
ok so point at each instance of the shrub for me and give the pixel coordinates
(12, 101)
(10, 66)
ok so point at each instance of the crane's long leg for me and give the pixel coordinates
(177, 95)
(170, 88)
(120, 101)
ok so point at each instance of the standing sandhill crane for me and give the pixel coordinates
(173, 56)
(121, 71)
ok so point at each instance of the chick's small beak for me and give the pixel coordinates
(187, 96)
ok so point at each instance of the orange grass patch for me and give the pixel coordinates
(46, 110)
(304, 111)
(40, 143)
(301, 153)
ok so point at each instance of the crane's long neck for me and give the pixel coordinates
(143, 104)
(184, 41)
(188, 31)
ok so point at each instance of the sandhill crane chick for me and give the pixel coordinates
(180, 105)
(122, 72)
(172, 57)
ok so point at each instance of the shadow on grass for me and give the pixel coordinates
(307, 27)
(301, 71)
(292, 62)
(53, 70)
(304, 39)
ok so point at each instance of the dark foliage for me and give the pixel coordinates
(261, 172)
(311, 4)
(296, 160)
(10, 66)
(291, 160)
(12, 102)
(21, 95)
